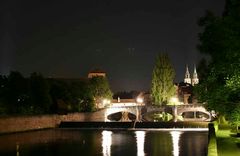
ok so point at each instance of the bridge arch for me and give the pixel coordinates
(127, 109)
(196, 109)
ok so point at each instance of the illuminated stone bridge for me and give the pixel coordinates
(188, 112)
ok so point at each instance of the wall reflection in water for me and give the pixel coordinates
(140, 138)
(175, 142)
(106, 143)
(17, 149)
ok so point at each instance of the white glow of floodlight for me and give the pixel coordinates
(106, 143)
(139, 100)
(104, 101)
(174, 100)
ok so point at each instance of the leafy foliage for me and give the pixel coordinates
(38, 95)
(221, 40)
(100, 89)
(162, 80)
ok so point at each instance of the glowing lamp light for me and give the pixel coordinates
(106, 101)
(174, 101)
(139, 100)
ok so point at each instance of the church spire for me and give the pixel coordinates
(187, 78)
(195, 79)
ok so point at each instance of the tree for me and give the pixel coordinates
(15, 94)
(61, 96)
(220, 39)
(82, 97)
(162, 80)
(3, 83)
(100, 89)
(40, 93)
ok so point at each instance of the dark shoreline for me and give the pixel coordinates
(129, 125)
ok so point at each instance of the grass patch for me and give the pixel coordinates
(227, 142)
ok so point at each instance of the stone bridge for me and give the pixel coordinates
(199, 113)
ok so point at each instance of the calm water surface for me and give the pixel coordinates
(69, 142)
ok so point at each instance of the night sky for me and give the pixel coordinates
(69, 38)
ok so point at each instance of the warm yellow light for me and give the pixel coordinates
(139, 100)
(106, 101)
(174, 100)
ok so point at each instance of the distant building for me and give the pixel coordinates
(96, 73)
(185, 88)
(194, 79)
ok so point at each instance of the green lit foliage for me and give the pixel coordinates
(99, 87)
(221, 40)
(162, 88)
(82, 97)
(234, 116)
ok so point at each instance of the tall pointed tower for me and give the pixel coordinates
(195, 79)
(187, 78)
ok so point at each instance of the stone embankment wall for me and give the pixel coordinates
(25, 123)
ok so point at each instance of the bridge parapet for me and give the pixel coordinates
(154, 108)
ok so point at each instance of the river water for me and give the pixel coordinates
(71, 142)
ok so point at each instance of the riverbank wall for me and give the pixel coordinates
(11, 124)
(93, 120)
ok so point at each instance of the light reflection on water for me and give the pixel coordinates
(175, 142)
(140, 139)
(106, 143)
(17, 150)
